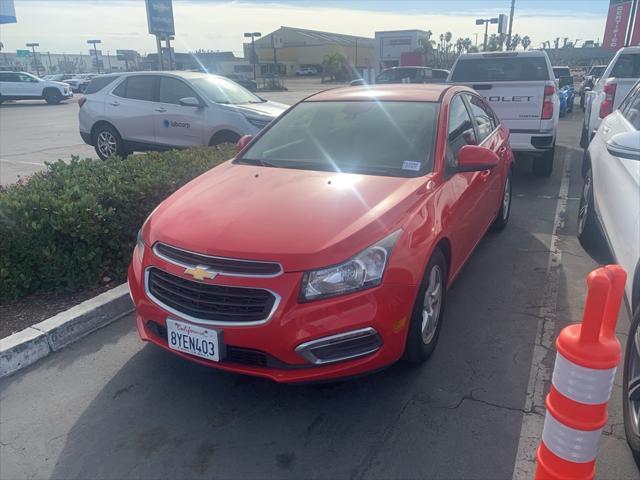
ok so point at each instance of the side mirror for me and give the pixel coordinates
(625, 145)
(357, 82)
(243, 142)
(473, 158)
(190, 102)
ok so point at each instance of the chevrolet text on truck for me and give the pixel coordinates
(521, 88)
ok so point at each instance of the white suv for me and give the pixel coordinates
(521, 88)
(24, 86)
(615, 83)
(120, 114)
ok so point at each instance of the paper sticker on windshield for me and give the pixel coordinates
(409, 165)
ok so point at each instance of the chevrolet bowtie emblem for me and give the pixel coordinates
(200, 273)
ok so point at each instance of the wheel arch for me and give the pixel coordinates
(635, 289)
(100, 123)
(444, 245)
(222, 132)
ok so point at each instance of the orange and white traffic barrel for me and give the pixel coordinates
(586, 361)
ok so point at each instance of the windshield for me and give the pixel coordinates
(223, 90)
(597, 71)
(500, 69)
(378, 138)
(561, 72)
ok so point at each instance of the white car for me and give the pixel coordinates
(611, 88)
(24, 86)
(303, 72)
(610, 209)
(521, 88)
(123, 113)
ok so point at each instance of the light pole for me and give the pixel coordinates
(513, 7)
(253, 36)
(35, 59)
(95, 51)
(486, 22)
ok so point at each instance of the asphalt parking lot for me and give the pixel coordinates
(34, 132)
(112, 407)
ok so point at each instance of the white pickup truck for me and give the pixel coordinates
(521, 88)
(613, 86)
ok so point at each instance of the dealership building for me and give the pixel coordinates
(296, 48)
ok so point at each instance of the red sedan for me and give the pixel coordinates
(325, 248)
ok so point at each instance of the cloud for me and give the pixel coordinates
(65, 25)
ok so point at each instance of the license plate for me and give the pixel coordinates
(195, 340)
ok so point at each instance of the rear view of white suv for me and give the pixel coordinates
(24, 86)
(120, 114)
(521, 88)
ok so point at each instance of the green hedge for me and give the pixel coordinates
(71, 225)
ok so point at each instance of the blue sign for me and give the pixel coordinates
(7, 11)
(160, 17)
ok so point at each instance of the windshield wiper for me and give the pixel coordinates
(256, 161)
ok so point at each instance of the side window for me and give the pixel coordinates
(632, 110)
(136, 88)
(483, 116)
(172, 90)
(26, 78)
(629, 98)
(9, 77)
(460, 131)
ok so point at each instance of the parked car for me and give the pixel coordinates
(162, 110)
(610, 210)
(615, 83)
(563, 76)
(590, 79)
(407, 75)
(325, 248)
(24, 86)
(248, 83)
(521, 88)
(306, 72)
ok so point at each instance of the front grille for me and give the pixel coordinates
(230, 266)
(209, 302)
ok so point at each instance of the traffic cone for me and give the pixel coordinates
(583, 375)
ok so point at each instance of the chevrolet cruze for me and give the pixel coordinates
(325, 248)
(123, 113)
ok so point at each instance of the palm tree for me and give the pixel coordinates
(427, 46)
(459, 45)
(526, 41)
(515, 41)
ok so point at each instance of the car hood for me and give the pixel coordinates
(60, 84)
(302, 219)
(267, 109)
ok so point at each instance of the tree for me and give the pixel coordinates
(526, 41)
(427, 47)
(334, 65)
(496, 42)
(515, 41)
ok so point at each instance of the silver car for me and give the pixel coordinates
(123, 113)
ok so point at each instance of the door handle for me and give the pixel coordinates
(115, 104)
(502, 149)
(606, 130)
(485, 174)
(161, 110)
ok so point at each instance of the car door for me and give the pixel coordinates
(175, 124)
(616, 183)
(28, 86)
(8, 84)
(488, 136)
(465, 192)
(130, 108)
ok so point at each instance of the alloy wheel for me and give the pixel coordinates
(107, 144)
(431, 304)
(583, 212)
(506, 199)
(633, 383)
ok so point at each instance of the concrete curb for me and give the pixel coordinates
(33, 343)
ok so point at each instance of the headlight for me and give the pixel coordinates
(140, 245)
(364, 270)
(259, 122)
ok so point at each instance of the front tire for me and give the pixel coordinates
(543, 165)
(631, 387)
(52, 97)
(588, 232)
(428, 311)
(505, 205)
(108, 143)
(224, 137)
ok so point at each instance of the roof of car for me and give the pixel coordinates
(390, 92)
(528, 53)
(178, 73)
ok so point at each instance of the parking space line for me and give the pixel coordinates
(20, 162)
(543, 350)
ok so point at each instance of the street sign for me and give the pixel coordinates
(23, 53)
(124, 55)
(160, 17)
(503, 23)
(7, 11)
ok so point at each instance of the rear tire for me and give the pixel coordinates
(543, 165)
(631, 406)
(505, 205)
(108, 143)
(428, 311)
(588, 231)
(52, 96)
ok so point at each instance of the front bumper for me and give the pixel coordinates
(269, 349)
(86, 138)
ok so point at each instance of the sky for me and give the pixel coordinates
(63, 26)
